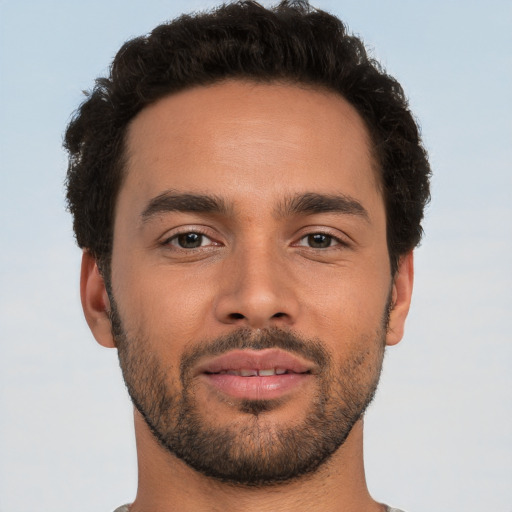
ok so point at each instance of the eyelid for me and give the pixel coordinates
(339, 237)
(335, 242)
(174, 233)
(175, 238)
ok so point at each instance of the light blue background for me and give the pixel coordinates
(439, 436)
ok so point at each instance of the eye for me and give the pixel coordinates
(318, 241)
(190, 240)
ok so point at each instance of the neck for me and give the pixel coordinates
(167, 484)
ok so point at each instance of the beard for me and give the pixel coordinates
(253, 451)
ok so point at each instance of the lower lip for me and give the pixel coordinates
(257, 388)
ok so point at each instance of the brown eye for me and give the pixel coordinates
(319, 240)
(189, 240)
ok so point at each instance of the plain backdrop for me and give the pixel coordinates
(439, 435)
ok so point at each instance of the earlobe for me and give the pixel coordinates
(401, 299)
(95, 302)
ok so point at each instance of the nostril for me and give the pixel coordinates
(236, 316)
(278, 315)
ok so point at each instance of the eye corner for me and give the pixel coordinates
(188, 238)
(320, 240)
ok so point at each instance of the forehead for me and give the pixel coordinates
(246, 140)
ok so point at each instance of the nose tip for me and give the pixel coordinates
(258, 296)
(258, 321)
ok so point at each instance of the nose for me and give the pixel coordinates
(257, 290)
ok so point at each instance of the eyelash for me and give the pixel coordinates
(333, 241)
(168, 241)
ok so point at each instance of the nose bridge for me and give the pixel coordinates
(257, 287)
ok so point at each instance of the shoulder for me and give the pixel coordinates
(126, 508)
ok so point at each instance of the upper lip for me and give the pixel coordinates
(255, 360)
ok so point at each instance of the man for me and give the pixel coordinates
(248, 187)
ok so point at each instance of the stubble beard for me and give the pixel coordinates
(252, 452)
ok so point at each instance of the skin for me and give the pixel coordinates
(253, 146)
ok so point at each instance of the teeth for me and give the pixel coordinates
(248, 373)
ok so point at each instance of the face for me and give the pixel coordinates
(251, 290)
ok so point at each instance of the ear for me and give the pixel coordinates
(95, 302)
(400, 299)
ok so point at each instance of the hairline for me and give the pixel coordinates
(121, 162)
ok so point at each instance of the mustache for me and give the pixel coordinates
(273, 337)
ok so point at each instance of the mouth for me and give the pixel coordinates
(248, 372)
(256, 374)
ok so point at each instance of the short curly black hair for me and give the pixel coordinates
(291, 42)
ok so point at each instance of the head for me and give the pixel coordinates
(292, 43)
(248, 187)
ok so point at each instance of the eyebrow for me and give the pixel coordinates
(303, 204)
(171, 201)
(311, 203)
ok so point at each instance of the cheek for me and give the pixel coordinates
(168, 307)
(348, 303)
